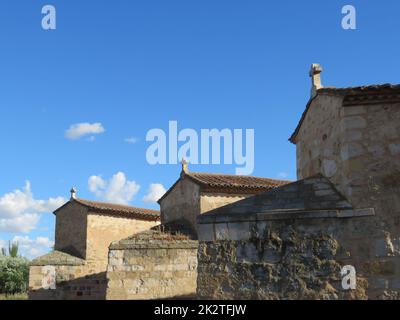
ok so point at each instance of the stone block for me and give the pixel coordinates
(394, 284)
(221, 231)
(353, 136)
(239, 231)
(379, 283)
(354, 110)
(382, 268)
(377, 150)
(394, 149)
(383, 247)
(351, 150)
(323, 193)
(206, 232)
(329, 167)
(354, 122)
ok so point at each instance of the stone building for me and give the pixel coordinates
(196, 192)
(157, 264)
(239, 237)
(84, 231)
(293, 242)
(162, 262)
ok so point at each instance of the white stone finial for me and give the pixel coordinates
(315, 74)
(185, 165)
(73, 193)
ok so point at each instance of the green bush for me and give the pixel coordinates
(14, 274)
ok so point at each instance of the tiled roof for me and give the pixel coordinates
(234, 182)
(376, 88)
(352, 96)
(135, 212)
(227, 183)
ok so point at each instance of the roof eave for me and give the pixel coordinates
(169, 191)
(64, 205)
(293, 137)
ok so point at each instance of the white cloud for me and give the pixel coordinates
(77, 131)
(154, 193)
(24, 223)
(20, 211)
(118, 189)
(131, 140)
(283, 175)
(33, 248)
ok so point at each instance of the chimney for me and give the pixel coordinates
(73, 193)
(315, 74)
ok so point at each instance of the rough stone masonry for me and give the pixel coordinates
(291, 243)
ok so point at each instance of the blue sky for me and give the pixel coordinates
(135, 65)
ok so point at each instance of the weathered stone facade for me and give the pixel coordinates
(357, 147)
(162, 263)
(74, 279)
(84, 231)
(237, 237)
(182, 203)
(292, 244)
(186, 202)
(282, 245)
(71, 230)
(301, 259)
(190, 196)
(105, 229)
(154, 264)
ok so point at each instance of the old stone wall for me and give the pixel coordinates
(74, 279)
(288, 257)
(358, 149)
(182, 203)
(152, 267)
(318, 143)
(186, 201)
(103, 229)
(81, 257)
(210, 201)
(370, 153)
(73, 283)
(71, 230)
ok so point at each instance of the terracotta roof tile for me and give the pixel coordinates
(104, 207)
(234, 182)
(227, 183)
(376, 88)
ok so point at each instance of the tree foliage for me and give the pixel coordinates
(14, 271)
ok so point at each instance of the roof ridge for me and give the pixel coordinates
(233, 184)
(362, 87)
(235, 175)
(88, 202)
